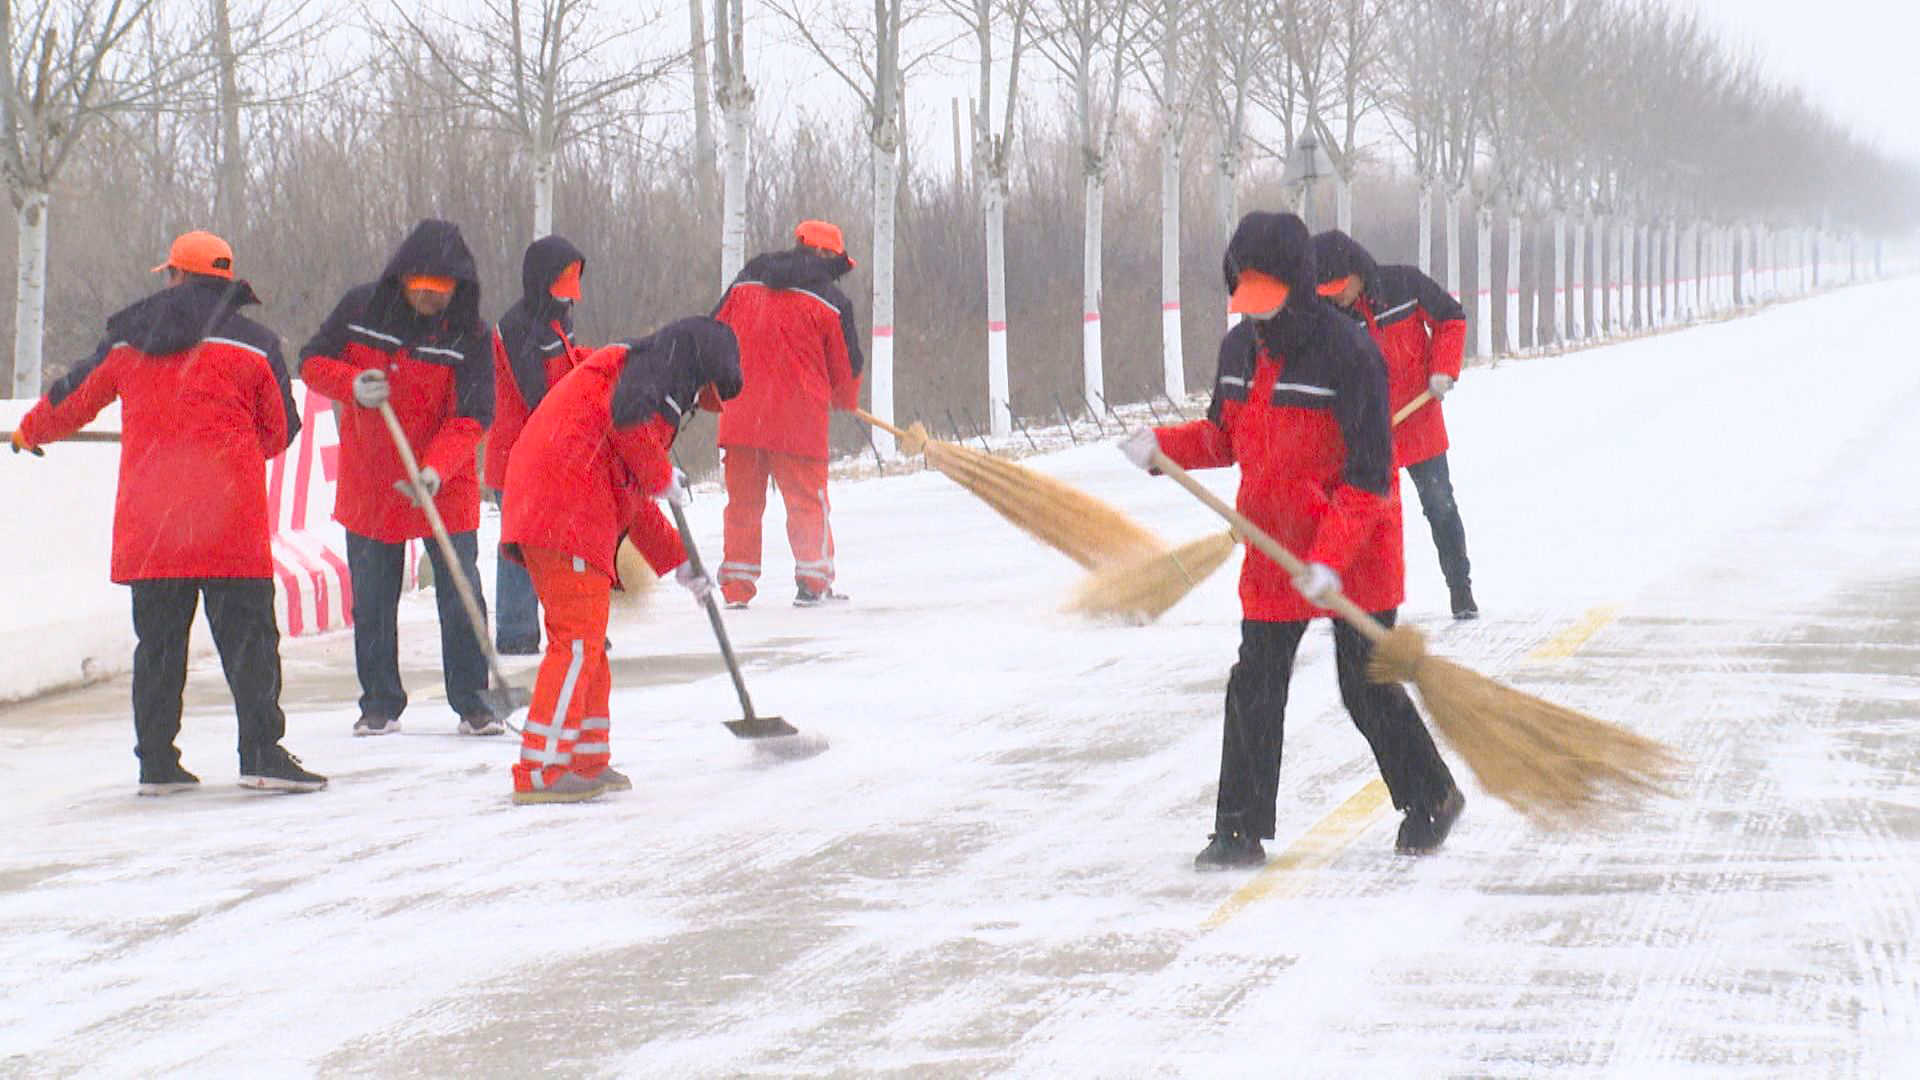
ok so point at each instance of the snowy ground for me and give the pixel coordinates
(1708, 536)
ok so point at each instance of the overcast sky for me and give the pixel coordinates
(1856, 56)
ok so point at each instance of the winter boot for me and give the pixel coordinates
(273, 769)
(167, 779)
(570, 788)
(805, 597)
(377, 725)
(1230, 850)
(481, 723)
(614, 779)
(1464, 609)
(1426, 828)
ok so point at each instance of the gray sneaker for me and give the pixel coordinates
(377, 725)
(570, 788)
(481, 724)
(614, 779)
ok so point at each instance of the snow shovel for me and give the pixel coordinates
(503, 698)
(751, 726)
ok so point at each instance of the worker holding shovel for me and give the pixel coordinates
(585, 472)
(412, 343)
(1300, 404)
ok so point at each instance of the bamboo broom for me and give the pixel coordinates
(1143, 591)
(1549, 762)
(1079, 526)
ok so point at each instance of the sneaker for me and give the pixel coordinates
(482, 724)
(805, 597)
(273, 769)
(614, 779)
(519, 648)
(570, 788)
(1230, 851)
(377, 725)
(168, 779)
(736, 605)
(1425, 829)
(1464, 609)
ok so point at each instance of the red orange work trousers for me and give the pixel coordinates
(568, 723)
(803, 486)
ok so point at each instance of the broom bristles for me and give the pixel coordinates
(636, 574)
(1143, 590)
(1079, 526)
(1553, 764)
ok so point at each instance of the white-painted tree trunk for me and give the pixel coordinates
(738, 117)
(1577, 286)
(30, 294)
(886, 182)
(1343, 205)
(1482, 315)
(1597, 278)
(1453, 245)
(1630, 268)
(1093, 374)
(1560, 290)
(1513, 338)
(1669, 248)
(993, 205)
(1425, 251)
(543, 170)
(1226, 201)
(1172, 361)
(1617, 281)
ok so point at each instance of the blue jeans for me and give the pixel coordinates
(378, 569)
(517, 610)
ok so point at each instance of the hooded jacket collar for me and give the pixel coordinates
(433, 247)
(796, 268)
(545, 260)
(664, 373)
(179, 317)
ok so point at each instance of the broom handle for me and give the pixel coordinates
(1353, 613)
(1412, 407)
(879, 423)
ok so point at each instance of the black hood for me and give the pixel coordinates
(796, 268)
(1278, 245)
(177, 318)
(433, 247)
(1337, 256)
(665, 372)
(545, 260)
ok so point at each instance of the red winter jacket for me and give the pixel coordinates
(441, 374)
(1300, 405)
(594, 454)
(205, 402)
(799, 353)
(532, 348)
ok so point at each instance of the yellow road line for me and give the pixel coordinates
(1568, 641)
(1286, 872)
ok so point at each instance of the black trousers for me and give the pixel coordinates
(1435, 485)
(240, 613)
(1256, 721)
(378, 571)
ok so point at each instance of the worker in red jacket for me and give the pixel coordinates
(532, 348)
(800, 357)
(413, 339)
(1300, 404)
(205, 402)
(591, 460)
(1422, 332)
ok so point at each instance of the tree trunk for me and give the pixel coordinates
(1172, 362)
(1643, 264)
(1343, 204)
(230, 197)
(1453, 244)
(733, 212)
(1669, 280)
(1627, 292)
(1482, 315)
(1616, 277)
(1093, 376)
(543, 191)
(886, 182)
(1577, 284)
(30, 295)
(1513, 338)
(1226, 196)
(993, 208)
(703, 145)
(1560, 290)
(1425, 213)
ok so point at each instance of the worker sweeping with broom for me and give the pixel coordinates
(1300, 404)
(590, 461)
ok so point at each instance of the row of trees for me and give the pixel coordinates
(1601, 117)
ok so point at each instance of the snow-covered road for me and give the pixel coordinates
(1709, 536)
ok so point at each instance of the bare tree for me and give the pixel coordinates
(1167, 67)
(547, 74)
(1239, 44)
(1088, 42)
(1357, 42)
(705, 160)
(735, 97)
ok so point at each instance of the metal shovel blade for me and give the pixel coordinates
(504, 701)
(761, 727)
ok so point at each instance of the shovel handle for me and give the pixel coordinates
(713, 612)
(1353, 613)
(1412, 407)
(475, 617)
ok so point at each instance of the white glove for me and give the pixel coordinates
(1318, 584)
(1140, 447)
(676, 493)
(370, 389)
(1438, 385)
(700, 585)
(429, 479)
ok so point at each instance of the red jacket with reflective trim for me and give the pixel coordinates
(1421, 331)
(799, 353)
(1300, 404)
(594, 455)
(532, 348)
(205, 402)
(441, 373)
